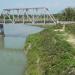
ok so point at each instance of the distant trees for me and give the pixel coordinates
(68, 14)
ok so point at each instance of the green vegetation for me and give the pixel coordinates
(68, 14)
(70, 29)
(50, 53)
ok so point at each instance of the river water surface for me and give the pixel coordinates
(12, 56)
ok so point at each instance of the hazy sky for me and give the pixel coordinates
(53, 5)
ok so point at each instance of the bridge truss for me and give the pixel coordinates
(28, 16)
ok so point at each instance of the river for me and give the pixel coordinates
(12, 57)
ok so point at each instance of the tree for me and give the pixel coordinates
(68, 14)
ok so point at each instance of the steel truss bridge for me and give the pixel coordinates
(28, 16)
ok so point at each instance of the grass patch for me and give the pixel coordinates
(50, 53)
(70, 28)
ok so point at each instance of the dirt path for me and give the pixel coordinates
(71, 39)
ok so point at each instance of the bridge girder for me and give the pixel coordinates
(28, 16)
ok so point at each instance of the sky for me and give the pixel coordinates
(54, 6)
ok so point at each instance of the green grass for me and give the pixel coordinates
(50, 53)
(70, 28)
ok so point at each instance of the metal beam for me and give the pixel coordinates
(29, 15)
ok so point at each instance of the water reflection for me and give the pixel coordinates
(1, 42)
(12, 61)
(12, 57)
(14, 42)
(20, 29)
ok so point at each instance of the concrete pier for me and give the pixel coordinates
(1, 30)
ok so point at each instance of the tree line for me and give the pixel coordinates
(68, 14)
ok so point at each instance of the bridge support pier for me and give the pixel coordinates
(1, 29)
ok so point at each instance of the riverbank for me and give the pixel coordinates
(49, 52)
